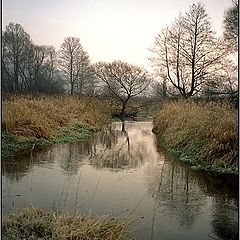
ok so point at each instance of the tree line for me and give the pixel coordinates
(187, 60)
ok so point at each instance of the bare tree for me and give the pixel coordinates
(15, 46)
(27, 67)
(187, 51)
(231, 26)
(122, 80)
(159, 89)
(40, 74)
(74, 63)
(6, 79)
(224, 82)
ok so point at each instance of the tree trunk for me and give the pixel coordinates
(72, 87)
(124, 105)
(123, 109)
(16, 70)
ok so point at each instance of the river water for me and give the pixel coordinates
(122, 172)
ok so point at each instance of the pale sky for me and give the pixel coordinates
(108, 29)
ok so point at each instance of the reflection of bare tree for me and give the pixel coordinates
(16, 170)
(221, 186)
(225, 220)
(224, 190)
(119, 155)
(103, 140)
(175, 190)
(182, 192)
(69, 156)
(119, 145)
(126, 134)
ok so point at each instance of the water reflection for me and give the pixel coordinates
(224, 222)
(113, 170)
(117, 149)
(185, 194)
(176, 191)
(120, 145)
(16, 170)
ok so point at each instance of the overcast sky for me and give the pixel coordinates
(108, 29)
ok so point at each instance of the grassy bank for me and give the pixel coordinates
(204, 134)
(29, 122)
(32, 223)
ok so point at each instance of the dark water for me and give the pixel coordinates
(122, 172)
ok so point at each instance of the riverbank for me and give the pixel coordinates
(202, 134)
(32, 122)
(33, 223)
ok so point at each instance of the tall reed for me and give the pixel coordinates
(43, 116)
(209, 129)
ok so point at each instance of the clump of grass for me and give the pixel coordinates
(33, 223)
(209, 131)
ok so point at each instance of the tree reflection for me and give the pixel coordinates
(112, 148)
(182, 192)
(70, 156)
(224, 191)
(67, 156)
(176, 191)
(220, 186)
(126, 135)
(120, 155)
(23, 164)
(224, 220)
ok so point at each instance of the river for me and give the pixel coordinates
(121, 171)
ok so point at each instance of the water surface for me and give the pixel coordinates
(122, 172)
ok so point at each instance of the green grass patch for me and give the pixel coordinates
(74, 133)
(190, 155)
(13, 145)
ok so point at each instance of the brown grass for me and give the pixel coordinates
(32, 223)
(42, 117)
(212, 126)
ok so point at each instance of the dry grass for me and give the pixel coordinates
(42, 117)
(211, 126)
(34, 224)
